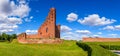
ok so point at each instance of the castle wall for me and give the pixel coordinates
(58, 31)
(100, 39)
(48, 28)
(21, 38)
(32, 36)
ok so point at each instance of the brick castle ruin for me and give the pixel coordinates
(49, 32)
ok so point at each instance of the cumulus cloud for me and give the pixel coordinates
(29, 19)
(116, 27)
(99, 33)
(96, 20)
(95, 35)
(31, 31)
(71, 36)
(11, 14)
(83, 31)
(65, 28)
(69, 33)
(76, 35)
(109, 28)
(113, 35)
(72, 17)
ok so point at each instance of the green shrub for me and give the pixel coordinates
(85, 47)
(111, 47)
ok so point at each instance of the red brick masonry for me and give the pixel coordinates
(87, 39)
(49, 32)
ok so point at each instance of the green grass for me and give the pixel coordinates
(108, 45)
(67, 48)
(96, 46)
(105, 43)
(99, 51)
(94, 49)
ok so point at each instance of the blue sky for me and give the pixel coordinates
(78, 18)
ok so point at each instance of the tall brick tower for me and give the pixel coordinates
(49, 29)
(49, 32)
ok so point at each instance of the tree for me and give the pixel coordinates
(10, 38)
(4, 36)
(14, 36)
(7, 37)
(0, 37)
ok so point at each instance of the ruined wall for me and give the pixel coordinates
(57, 31)
(48, 28)
(32, 36)
(21, 37)
(86, 39)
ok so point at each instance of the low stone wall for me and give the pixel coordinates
(34, 38)
(37, 41)
(100, 39)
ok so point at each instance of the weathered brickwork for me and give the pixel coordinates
(87, 39)
(49, 29)
(48, 32)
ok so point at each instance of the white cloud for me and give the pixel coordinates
(116, 27)
(9, 24)
(72, 17)
(29, 19)
(113, 35)
(84, 36)
(31, 31)
(11, 14)
(6, 26)
(95, 35)
(69, 33)
(99, 32)
(7, 30)
(14, 20)
(77, 35)
(83, 31)
(95, 20)
(70, 36)
(65, 28)
(109, 28)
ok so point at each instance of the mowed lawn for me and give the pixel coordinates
(104, 43)
(67, 48)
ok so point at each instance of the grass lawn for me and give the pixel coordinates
(94, 49)
(108, 45)
(67, 48)
(99, 51)
(105, 43)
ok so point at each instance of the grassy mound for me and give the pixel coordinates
(67, 48)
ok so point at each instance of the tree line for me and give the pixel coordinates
(7, 37)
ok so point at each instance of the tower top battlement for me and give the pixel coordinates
(52, 8)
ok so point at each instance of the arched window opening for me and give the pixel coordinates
(46, 29)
